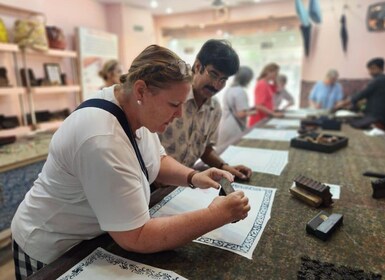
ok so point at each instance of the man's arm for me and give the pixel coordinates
(211, 158)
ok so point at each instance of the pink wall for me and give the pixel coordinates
(135, 28)
(326, 51)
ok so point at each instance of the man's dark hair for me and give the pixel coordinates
(378, 61)
(220, 55)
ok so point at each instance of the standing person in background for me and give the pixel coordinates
(327, 93)
(264, 94)
(110, 72)
(194, 135)
(235, 108)
(282, 94)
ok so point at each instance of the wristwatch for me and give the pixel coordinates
(189, 179)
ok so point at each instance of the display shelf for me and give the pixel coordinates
(55, 89)
(9, 47)
(18, 12)
(12, 91)
(25, 131)
(53, 53)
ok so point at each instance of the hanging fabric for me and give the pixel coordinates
(315, 11)
(344, 33)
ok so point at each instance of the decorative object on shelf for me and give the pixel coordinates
(9, 122)
(56, 38)
(3, 32)
(53, 73)
(4, 82)
(63, 78)
(41, 116)
(375, 18)
(30, 33)
(28, 73)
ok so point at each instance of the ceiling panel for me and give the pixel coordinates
(180, 6)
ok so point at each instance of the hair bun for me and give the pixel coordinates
(123, 78)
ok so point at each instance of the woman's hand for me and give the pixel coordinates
(210, 177)
(233, 207)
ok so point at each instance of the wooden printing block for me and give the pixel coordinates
(323, 225)
(314, 190)
(378, 188)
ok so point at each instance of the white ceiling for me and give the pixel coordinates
(180, 6)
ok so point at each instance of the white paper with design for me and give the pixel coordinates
(101, 265)
(271, 134)
(241, 237)
(259, 160)
(281, 123)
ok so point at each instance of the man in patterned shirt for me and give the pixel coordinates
(194, 135)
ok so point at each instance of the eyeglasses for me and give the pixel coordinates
(214, 77)
(184, 68)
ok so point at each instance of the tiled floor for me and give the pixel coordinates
(6, 264)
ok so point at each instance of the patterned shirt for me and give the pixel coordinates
(186, 138)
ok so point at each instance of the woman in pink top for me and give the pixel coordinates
(264, 94)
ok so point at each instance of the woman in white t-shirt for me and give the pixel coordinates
(93, 181)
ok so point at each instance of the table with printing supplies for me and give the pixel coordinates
(358, 243)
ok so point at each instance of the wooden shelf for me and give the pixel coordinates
(53, 52)
(9, 47)
(18, 12)
(26, 131)
(12, 91)
(55, 89)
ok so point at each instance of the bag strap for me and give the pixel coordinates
(121, 117)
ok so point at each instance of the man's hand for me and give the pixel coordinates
(240, 171)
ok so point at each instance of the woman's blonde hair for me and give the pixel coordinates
(271, 67)
(108, 67)
(156, 66)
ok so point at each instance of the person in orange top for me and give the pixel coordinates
(264, 94)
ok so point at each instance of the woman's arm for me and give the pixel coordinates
(269, 112)
(166, 233)
(174, 173)
(246, 113)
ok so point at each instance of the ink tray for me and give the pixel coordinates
(325, 143)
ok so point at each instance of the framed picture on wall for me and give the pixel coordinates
(375, 19)
(52, 73)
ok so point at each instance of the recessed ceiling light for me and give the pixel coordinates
(154, 4)
(169, 10)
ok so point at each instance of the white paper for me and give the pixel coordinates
(259, 160)
(271, 134)
(345, 113)
(303, 113)
(282, 123)
(335, 190)
(375, 132)
(241, 237)
(101, 265)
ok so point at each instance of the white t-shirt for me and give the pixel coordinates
(91, 182)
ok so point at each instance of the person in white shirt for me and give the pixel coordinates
(96, 180)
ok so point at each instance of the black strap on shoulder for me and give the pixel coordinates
(121, 117)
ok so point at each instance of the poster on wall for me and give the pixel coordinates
(95, 48)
